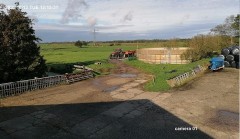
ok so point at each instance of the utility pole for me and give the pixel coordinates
(94, 37)
(137, 49)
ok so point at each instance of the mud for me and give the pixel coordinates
(228, 117)
(110, 89)
(126, 75)
(224, 121)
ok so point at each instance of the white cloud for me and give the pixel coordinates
(139, 16)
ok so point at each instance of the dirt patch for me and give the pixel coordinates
(228, 117)
(126, 75)
(225, 120)
(105, 70)
(123, 68)
(184, 87)
(110, 89)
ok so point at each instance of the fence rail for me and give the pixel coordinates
(15, 88)
(70, 78)
(183, 77)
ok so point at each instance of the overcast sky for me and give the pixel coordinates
(71, 20)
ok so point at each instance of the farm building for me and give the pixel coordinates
(162, 55)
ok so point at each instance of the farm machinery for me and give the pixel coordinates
(120, 54)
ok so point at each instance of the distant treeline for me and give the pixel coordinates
(144, 41)
(126, 41)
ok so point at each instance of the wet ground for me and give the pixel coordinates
(126, 75)
(115, 106)
(228, 117)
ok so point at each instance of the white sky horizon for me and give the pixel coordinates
(70, 20)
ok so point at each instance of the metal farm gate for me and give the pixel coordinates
(15, 88)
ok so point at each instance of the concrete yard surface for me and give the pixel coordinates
(115, 106)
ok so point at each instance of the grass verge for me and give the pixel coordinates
(162, 72)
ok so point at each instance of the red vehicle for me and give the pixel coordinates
(117, 54)
(129, 53)
(120, 54)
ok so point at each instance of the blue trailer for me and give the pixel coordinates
(216, 63)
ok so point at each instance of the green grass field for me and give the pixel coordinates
(61, 57)
(163, 72)
(68, 53)
(64, 53)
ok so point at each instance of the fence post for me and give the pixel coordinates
(1, 91)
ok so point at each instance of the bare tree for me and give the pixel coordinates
(227, 28)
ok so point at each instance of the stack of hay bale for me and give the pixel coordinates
(231, 56)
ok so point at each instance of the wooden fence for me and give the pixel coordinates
(183, 77)
(14, 88)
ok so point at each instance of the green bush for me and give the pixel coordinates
(205, 46)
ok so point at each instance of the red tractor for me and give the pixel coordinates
(129, 53)
(117, 54)
(120, 54)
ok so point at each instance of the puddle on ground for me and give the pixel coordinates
(228, 117)
(126, 75)
(110, 89)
